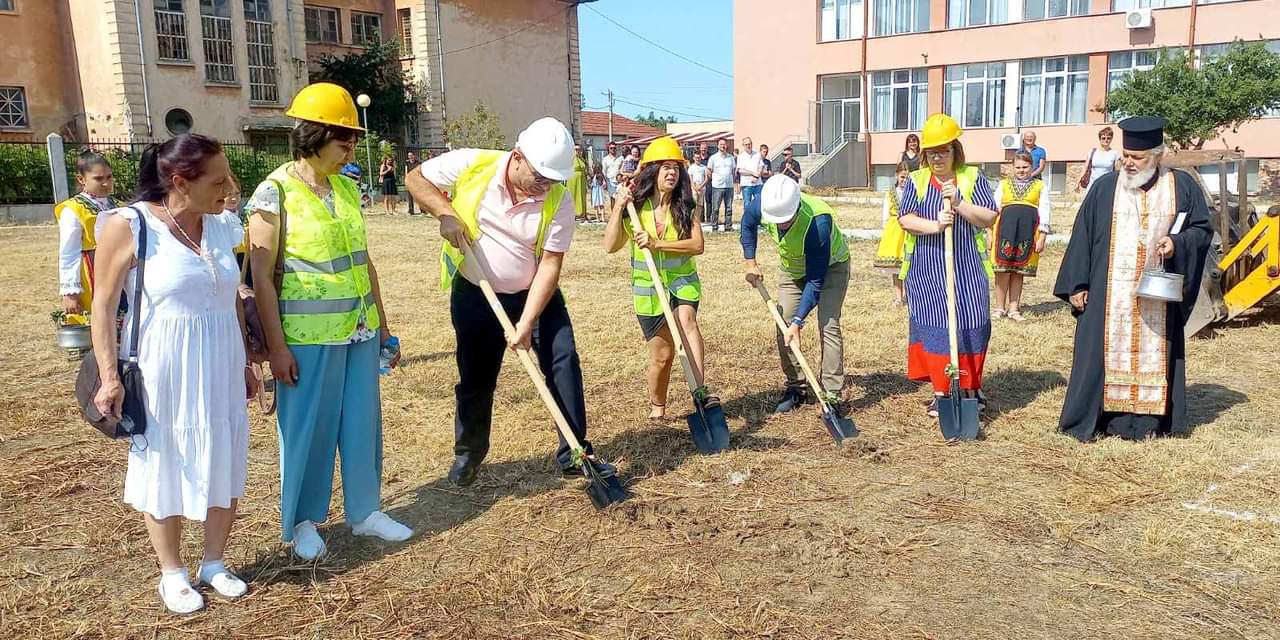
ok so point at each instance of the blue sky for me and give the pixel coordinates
(640, 73)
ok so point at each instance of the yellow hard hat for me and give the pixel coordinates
(325, 103)
(938, 130)
(663, 149)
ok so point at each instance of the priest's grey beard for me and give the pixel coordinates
(1135, 181)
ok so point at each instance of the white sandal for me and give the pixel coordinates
(226, 584)
(183, 601)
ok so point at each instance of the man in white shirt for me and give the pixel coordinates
(750, 166)
(722, 166)
(611, 163)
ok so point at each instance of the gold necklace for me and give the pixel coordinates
(320, 192)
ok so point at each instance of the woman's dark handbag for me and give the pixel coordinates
(256, 336)
(133, 419)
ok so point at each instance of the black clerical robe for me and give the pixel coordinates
(1118, 346)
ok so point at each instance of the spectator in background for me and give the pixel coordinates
(411, 162)
(790, 167)
(577, 184)
(750, 169)
(911, 152)
(630, 165)
(1039, 157)
(611, 164)
(390, 190)
(698, 179)
(722, 167)
(1102, 160)
(767, 172)
(706, 186)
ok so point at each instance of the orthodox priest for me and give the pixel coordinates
(1128, 373)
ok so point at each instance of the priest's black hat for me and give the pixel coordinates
(1142, 132)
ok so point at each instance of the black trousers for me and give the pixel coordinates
(481, 347)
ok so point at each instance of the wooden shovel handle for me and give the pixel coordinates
(530, 366)
(690, 378)
(949, 256)
(795, 349)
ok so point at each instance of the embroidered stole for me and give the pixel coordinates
(1135, 346)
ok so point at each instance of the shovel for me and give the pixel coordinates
(706, 424)
(602, 487)
(957, 415)
(839, 427)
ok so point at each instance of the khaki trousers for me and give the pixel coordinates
(830, 304)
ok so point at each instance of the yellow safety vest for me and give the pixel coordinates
(468, 191)
(791, 243)
(679, 273)
(326, 287)
(967, 181)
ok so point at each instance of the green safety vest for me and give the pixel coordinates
(325, 289)
(966, 181)
(468, 191)
(791, 242)
(679, 272)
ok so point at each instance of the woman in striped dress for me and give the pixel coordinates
(922, 215)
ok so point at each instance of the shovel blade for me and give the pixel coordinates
(839, 427)
(957, 415)
(603, 489)
(708, 427)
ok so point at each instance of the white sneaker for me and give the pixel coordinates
(381, 525)
(178, 596)
(307, 543)
(224, 583)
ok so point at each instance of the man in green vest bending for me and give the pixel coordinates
(513, 208)
(814, 275)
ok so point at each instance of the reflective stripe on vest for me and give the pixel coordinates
(325, 289)
(468, 191)
(967, 182)
(791, 243)
(679, 273)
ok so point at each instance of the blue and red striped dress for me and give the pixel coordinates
(928, 353)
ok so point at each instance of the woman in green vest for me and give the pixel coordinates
(670, 232)
(324, 326)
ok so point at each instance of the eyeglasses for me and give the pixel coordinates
(937, 153)
(538, 178)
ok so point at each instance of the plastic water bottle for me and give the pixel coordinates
(388, 353)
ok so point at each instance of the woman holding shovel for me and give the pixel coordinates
(946, 192)
(670, 232)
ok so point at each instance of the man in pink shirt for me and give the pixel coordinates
(513, 208)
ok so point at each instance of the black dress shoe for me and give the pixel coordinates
(791, 400)
(604, 468)
(463, 472)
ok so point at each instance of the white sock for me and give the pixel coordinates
(211, 568)
(175, 578)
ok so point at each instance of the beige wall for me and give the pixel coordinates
(384, 8)
(771, 99)
(37, 58)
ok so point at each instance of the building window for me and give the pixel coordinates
(1127, 5)
(974, 94)
(1208, 52)
(841, 20)
(1041, 9)
(839, 110)
(366, 28)
(322, 24)
(1122, 64)
(973, 13)
(260, 40)
(219, 48)
(178, 121)
(171, 31)
(6, 5)
(899, 99)
(1055, 90)
(412, 134)
(13, 108)
(257, 10)
(403, 16)
(891, 17)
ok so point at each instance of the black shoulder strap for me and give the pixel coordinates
(137, 283)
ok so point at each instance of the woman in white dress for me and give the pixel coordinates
(193, 461)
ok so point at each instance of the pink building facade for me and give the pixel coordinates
(998, 66)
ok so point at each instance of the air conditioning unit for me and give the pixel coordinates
(1138, 19)
(1010, 141)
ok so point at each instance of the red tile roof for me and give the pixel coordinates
(596, 123)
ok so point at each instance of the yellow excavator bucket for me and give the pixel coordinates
(1256, 259)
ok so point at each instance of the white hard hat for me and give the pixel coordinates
(549, 148)
(779, 199)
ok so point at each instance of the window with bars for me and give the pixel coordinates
(263, 74)
(321, 24)
(1042, 9)
(974, 94)
(899, 99)
(1055, 90)
(366, 28)
(219, 45)
(404, 17)
(171, 31)
(13, 108)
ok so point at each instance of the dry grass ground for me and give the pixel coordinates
(1025, 534)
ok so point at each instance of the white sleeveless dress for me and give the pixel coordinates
(192, 359)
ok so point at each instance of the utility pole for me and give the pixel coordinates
(610, 94)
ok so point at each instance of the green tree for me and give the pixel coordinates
(655, 121)
(1200, 102)
(375, 71)
(478, 129)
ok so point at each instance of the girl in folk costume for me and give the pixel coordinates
(889, 253)
(1019, 234)
(599, 193)
(76, 218)
(665, 194)
(924, 216)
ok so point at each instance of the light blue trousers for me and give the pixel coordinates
(335, 408)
